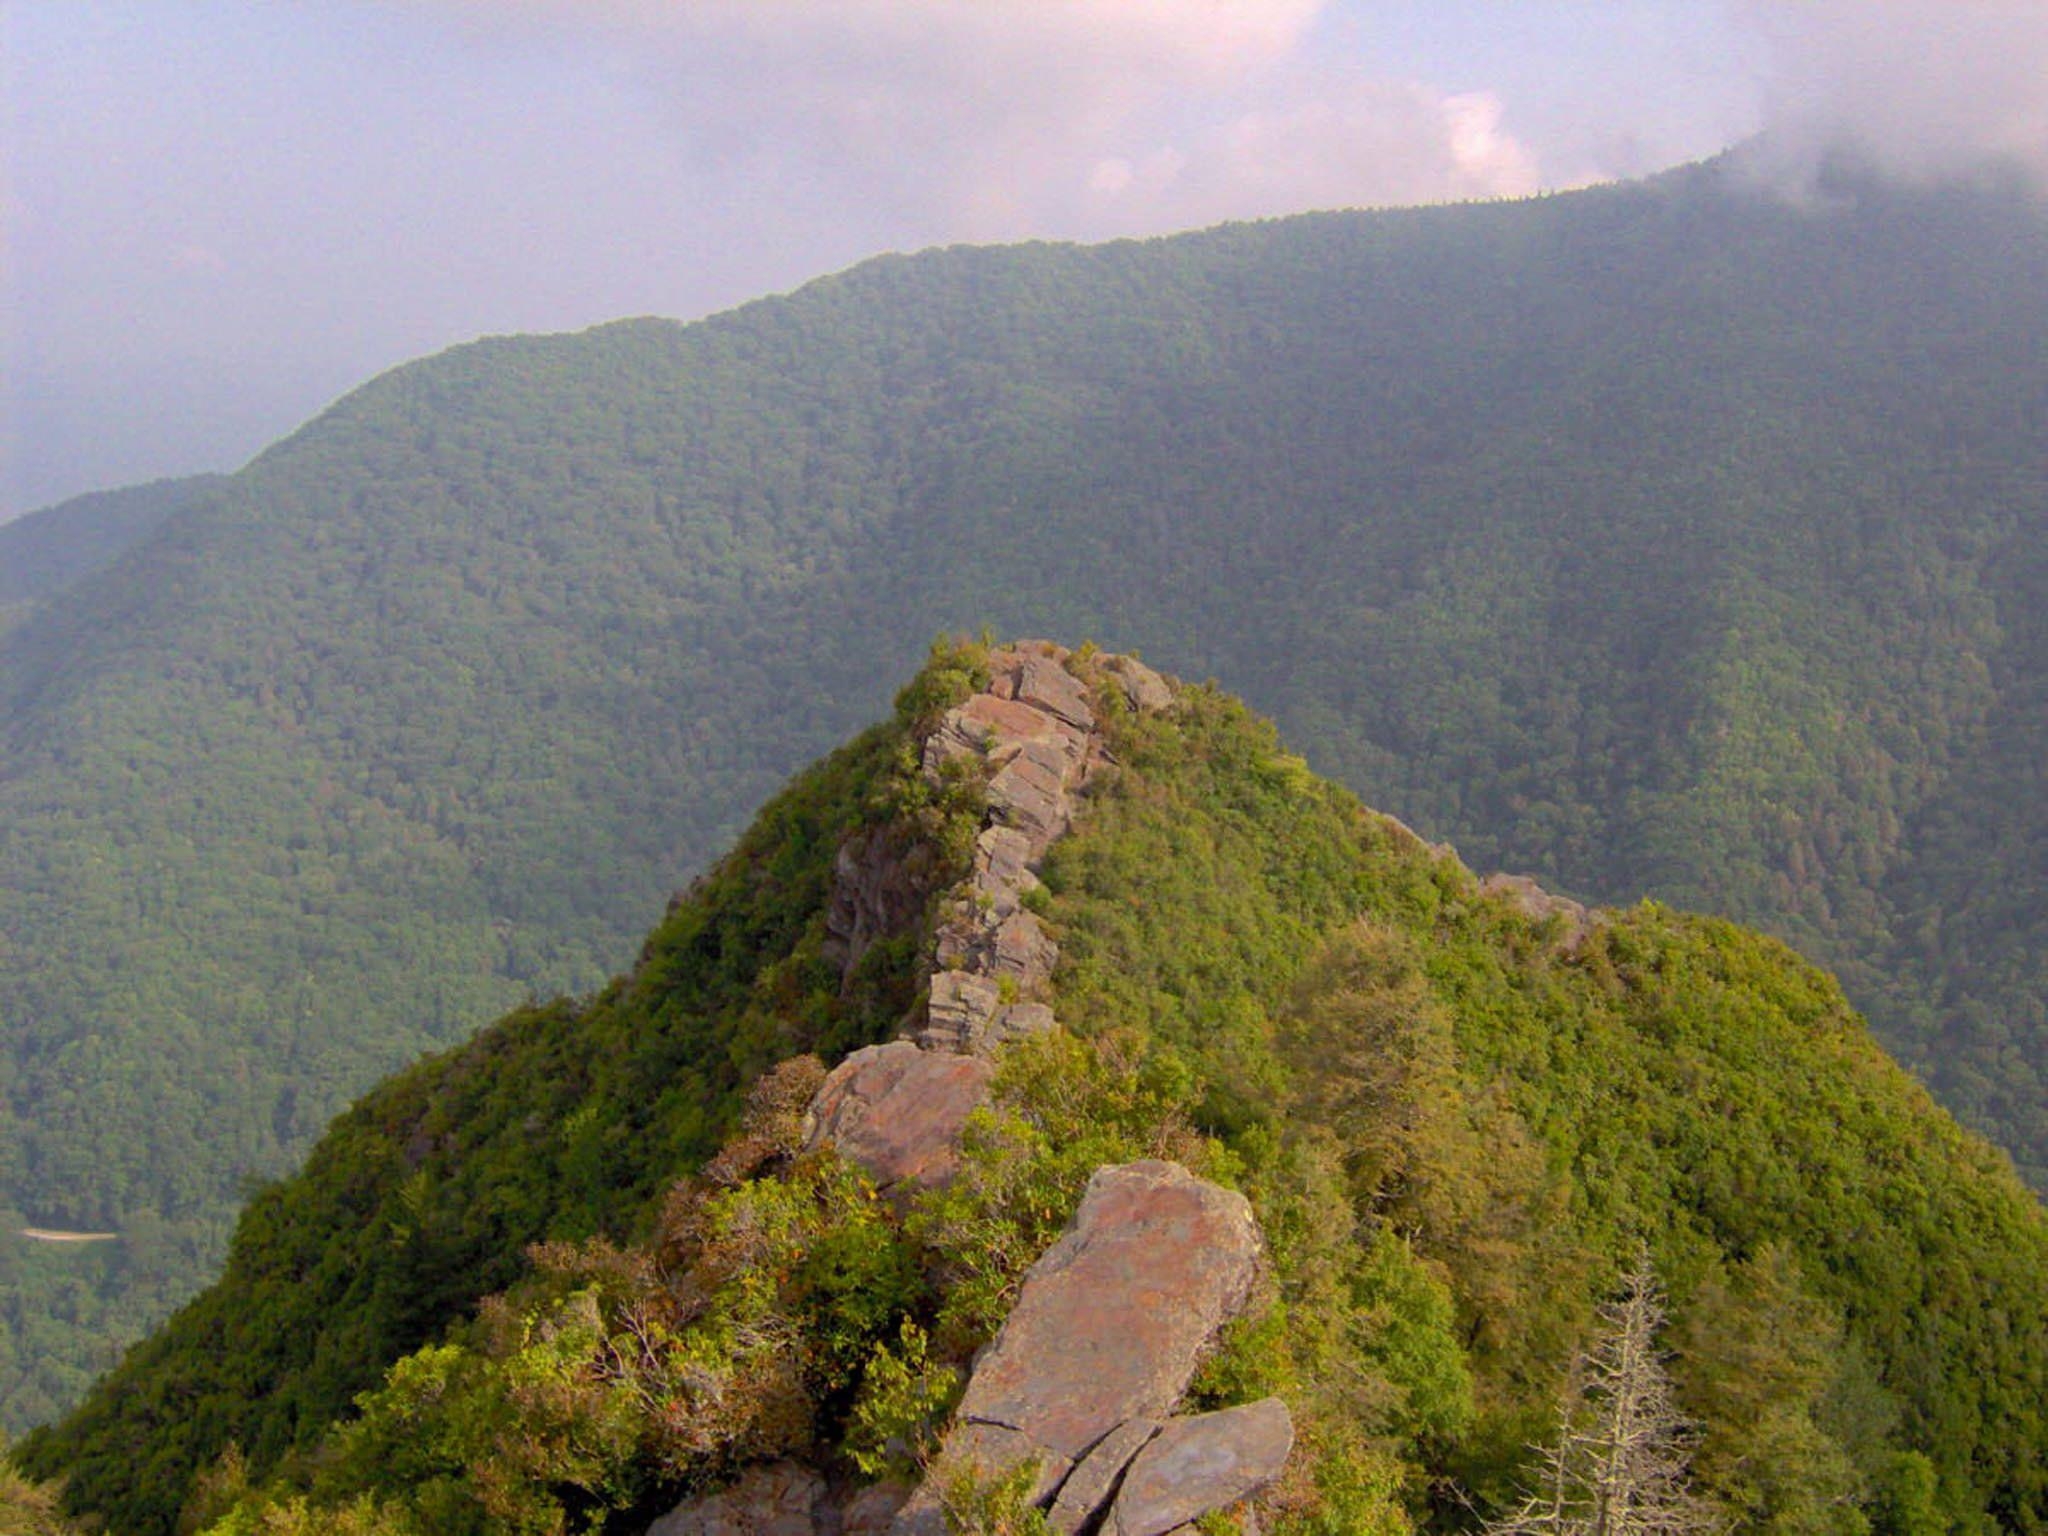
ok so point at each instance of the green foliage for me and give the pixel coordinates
(1065, 1110)
(561, 1122)
(28, 1509)
(977, 1503)
(43, 553)
(892, 1431)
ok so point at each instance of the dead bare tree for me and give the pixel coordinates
(1619, 1464)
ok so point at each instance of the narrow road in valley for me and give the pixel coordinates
(47, 1235)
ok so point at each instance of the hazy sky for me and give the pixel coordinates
(217, 215)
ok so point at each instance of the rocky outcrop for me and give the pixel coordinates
(898, 1111)
(1111, 1322)
(1113, 1318)
(1541, 905)
(1108, 1328)
(1144, 690)
(879, 887)
(1031, 737)
(1093, 1482)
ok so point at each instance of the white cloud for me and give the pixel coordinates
(1927, 88)
(994, 119)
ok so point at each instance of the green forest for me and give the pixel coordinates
(1459, 1124)
(1658, 540)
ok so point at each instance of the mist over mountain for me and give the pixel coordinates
(1666, 539)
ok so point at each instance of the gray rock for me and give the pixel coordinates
(1090, 1486)
(1195, 1465)
(870, 1511)
(1542, 905)
(1029, 793)
(1023, 951)
(874, 894)
(1147, 691)
(1002, 860)
(985, 723)
(1019, 1020)
(1044, 683)
(962, 1007)
(780, 1499)
(898, 1111)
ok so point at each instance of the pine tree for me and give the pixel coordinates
(1619, 1465)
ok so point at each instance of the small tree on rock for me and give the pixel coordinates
(1619, 1465)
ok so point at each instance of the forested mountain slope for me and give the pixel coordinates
(43, 552)
(1458, 1114)
(1663, 538)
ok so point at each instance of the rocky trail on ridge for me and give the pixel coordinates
(1110, 1324)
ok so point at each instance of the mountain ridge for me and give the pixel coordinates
(1456, 1109)
(1637, 539)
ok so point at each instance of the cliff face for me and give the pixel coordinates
(1063, 1101)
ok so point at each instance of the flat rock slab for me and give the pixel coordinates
(1046, 684)
(984, 723)
(897, 1111)
(1029, 793)
(1112, 1320)
(1002, 858)
(1198, 1464)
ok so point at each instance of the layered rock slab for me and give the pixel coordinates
(1091, 1485)
(1194, 1465)
(1112, 1320)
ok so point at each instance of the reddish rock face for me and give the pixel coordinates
(1046, 684)
(898, 1111)
(1110, 1324)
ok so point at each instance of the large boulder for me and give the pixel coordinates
(1108, 1326)
(1043, 682)
(1028, 792)
(898, 1111)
